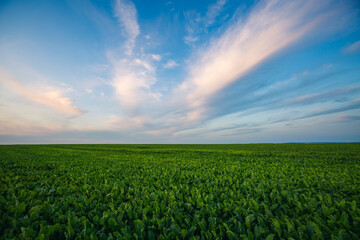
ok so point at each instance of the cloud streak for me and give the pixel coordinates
(323, 97)
(126, 13)
(269, 28)
(52, 98)
(354, 104)
(348, 118)
(353, 48)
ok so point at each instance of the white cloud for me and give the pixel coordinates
(171, 64)
(132, 74)
(156, 57)
(132, 81)
(127, 16)
(269, 28)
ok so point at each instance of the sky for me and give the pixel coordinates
(174, 71)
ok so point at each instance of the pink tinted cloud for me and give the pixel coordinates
(53, 98)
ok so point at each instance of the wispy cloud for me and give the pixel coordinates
(22, 128)
(156, 57)
(269, 28)
(332, 95)
(125, 123)
(164, 131)
(190, 39)
(50, 97)
(347, 118)
(235, 129)
(354, 104)
(171, 64)
(196, 23)
(213, 12)
(127, 15)
(353, 48)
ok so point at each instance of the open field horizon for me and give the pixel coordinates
(155, 143)
(176, 119)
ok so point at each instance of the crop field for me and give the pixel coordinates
(254, 191)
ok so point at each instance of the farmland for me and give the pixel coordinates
(255, 191)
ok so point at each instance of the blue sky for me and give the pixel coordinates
(220, 71)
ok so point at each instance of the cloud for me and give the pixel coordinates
(132, 73)
(24, 127)
(49, 97)
(353, 48)
(240, 131)
(232, 129)
(156, 57)
(347, 117)
(324, 96)
(213, 12)
(171, 64)
(269, 28)
(197, 24)
(354, 104)
(164, 131)
(255, 99)
(126, 13)
(132, 80)
(190, 39)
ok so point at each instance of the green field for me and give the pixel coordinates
(255, 191)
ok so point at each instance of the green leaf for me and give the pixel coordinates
(270, 236)
(277, 226)
(183, 233)
(21, 208)
(112, 222)
(249, 219)
(230, 234)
